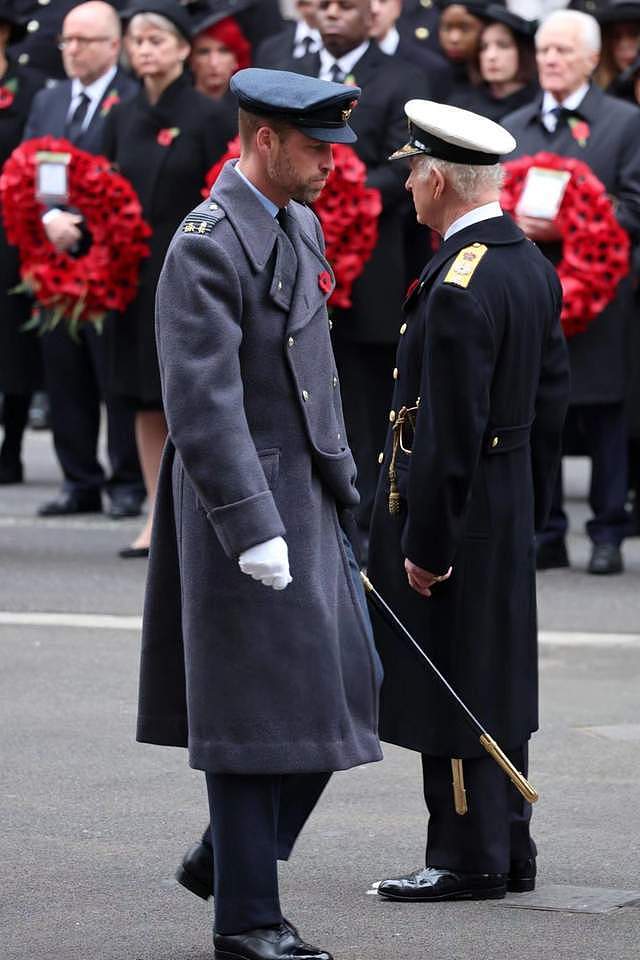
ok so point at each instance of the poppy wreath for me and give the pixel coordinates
(595, 248)
(81, 289)
(348, 211)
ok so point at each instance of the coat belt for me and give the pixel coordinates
(506, 439)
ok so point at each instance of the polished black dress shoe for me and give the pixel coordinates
(71, 503)
(606, 558)
(134, 553)
(122, 506)
(551, 555)
(436, 883)
(195, 873)
(11, 472)
(266, 943)
(522, 876)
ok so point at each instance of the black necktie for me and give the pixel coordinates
(337, 75)
(73, 126)
(307, 43)
(561, 114)
(281, 217)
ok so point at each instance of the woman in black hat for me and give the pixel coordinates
(459, 30)
(620, 25)
(165, 141)
(506, 64)
(19, 352)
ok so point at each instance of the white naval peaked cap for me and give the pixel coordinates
(450, 133)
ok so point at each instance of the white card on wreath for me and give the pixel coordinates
(543, 192)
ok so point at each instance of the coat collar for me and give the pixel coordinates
(589, 109)
(498, 231)
(294, 283)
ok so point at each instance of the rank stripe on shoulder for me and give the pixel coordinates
(202, 223)
(464, 265)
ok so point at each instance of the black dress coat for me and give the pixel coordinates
(418, 22)
(380, 122)
(599, 355)
(250, 679)
(436, 67)
(168, 180)
(481, 100)
(276, 52)
(20, 370)
(489, 365)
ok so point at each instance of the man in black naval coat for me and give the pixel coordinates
(75, 370)
(567, 47)
(270, 689)
(481, 386)
(365, 336)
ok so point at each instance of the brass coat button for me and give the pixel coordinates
(495, 441)
(305, 395)
(395, 373)
(392, 416)
(335, 382)
(23, 59)
(213, 206)
(290, 342)
(33, 26)
(381, 458)
(422, 33)
(403, 329)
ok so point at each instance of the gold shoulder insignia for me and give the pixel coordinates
(464, 265)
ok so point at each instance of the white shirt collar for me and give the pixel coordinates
(485, 212)
(572, 102)
(346, 62)
(95, 91)
(389, 43)
(303, 30)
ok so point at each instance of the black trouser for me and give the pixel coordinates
(604, 430)
(75, 376)
(366, 384)
(493, 833)
(255, 821)
(15, 414)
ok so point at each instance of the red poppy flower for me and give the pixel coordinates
(79, 289)
(324, 281)
(7, 97)
(412, 286)
(580, 130)
(166, 136)
(595, 248)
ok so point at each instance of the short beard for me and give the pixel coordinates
(282, 172)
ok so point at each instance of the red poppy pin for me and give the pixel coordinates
(166, 137)
(324, 281)
(412, 286)
(8, 93)
(111, 100)
(580, 130)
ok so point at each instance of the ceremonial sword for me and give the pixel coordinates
(519, 781)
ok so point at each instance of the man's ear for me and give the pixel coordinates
(264, 139)
(438, 183)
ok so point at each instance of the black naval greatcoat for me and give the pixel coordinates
(482, 349)
(599, 356)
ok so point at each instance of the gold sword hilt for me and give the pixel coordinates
(459, 792)
(521, 783)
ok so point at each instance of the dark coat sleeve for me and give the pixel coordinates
(199, 333)
(457, 370)
(551, 407)
(627, 189)
(35, 125)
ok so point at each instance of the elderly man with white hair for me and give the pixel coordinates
(608, 140)
(481, 385)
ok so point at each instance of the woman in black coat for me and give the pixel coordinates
(19, 352)
(164, 142)
(506, 64)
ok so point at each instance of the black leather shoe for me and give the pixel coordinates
(70, 503)
(124, 505)
(606, 558)
(522, 876)
(196, 871)
(266, 943)
(11, 472)
(552, 555)
(435, 883)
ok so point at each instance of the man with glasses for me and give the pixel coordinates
(90, 42)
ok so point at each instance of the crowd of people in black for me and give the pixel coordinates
(114, 77)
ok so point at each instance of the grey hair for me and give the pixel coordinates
(469, 182)
(158, 21)
(587, 26)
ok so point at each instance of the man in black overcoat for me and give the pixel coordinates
(481, 386)
(270, 689)
(385, 31)
(297, 39)
(567, 52)
(365, 336)
(75, 370)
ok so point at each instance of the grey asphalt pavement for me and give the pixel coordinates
(93, 824)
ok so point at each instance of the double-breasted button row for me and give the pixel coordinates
(33, 26)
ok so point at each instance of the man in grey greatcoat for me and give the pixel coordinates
(257, 649)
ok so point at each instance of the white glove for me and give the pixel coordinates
(267, 562)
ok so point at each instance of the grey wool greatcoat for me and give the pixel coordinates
(489, 363)
(250, 679)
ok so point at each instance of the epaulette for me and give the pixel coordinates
(202, 222)
(464, 265)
